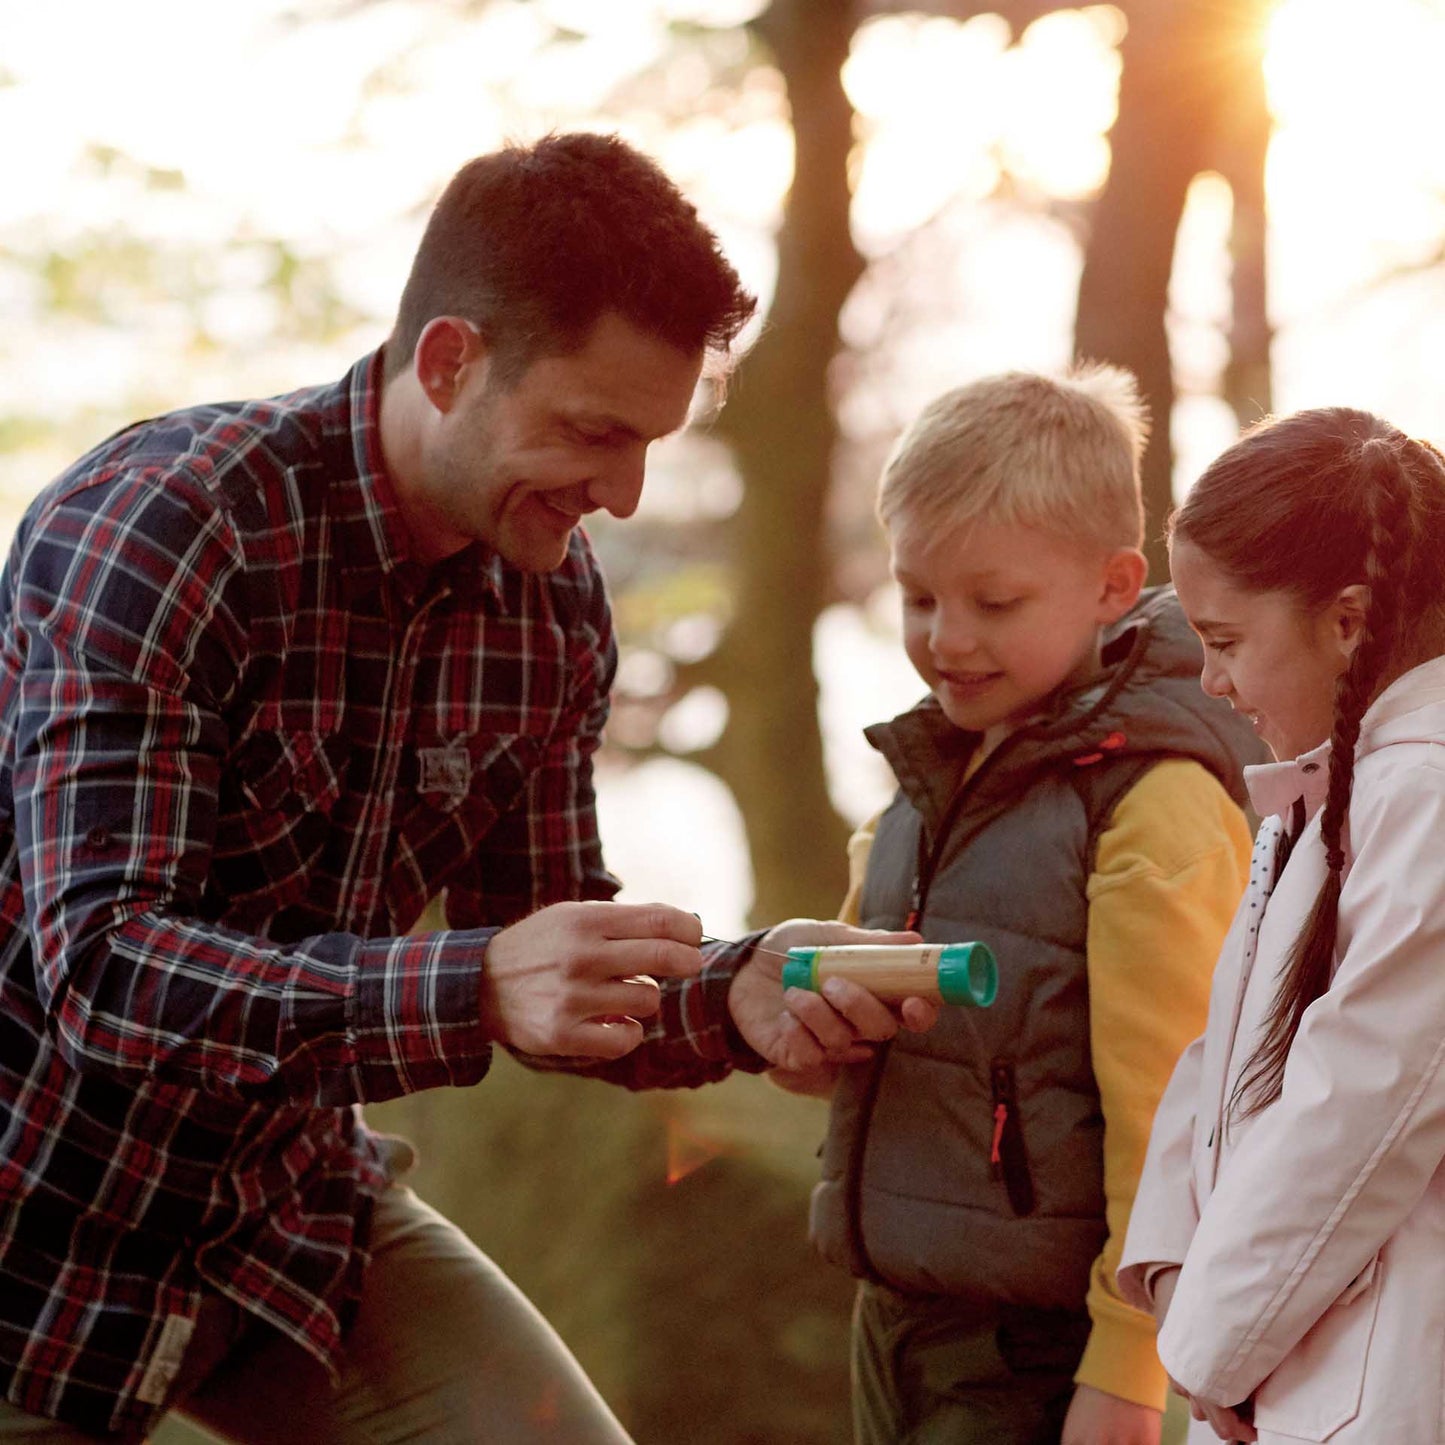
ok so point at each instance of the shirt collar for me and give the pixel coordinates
(1274, 787)
(373, 536)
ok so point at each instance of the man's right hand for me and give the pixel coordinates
(574, 978)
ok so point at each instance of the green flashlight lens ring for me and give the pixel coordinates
(968, 975)
(800, 969)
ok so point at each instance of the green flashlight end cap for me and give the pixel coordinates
(798, 971)
(968, 975)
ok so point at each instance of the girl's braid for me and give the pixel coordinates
(1387, 558)
(1387, 484)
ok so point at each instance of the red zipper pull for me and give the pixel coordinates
(1000, 1118)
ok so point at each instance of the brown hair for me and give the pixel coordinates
(1308, 505)
(533, 244)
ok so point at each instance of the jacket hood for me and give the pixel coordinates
(1147, 701)
(1410, 710)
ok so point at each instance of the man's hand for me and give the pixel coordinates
(807, 1036)
(574, 978)
(1098, 1418)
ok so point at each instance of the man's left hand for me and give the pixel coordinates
(1097, 1418)
(802, 1032)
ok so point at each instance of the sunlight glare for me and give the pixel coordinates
(688, 1150)
(1060, 86)
(926, 91)
(1357, 196)
(946, 108)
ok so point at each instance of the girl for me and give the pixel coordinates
(1294, 1171)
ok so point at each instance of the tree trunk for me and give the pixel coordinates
(1157, 145)
(1186, 68)
(779, 421)
(1248, 380)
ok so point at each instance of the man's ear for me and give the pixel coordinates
(1347, 617)
(1125, 570)
(448, 348)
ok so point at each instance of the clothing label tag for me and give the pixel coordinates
(447, 771)
(166, 1360)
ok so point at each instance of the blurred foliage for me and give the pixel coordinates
(105, 276)
(695, 1305)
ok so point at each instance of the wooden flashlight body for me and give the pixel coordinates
(958, 973)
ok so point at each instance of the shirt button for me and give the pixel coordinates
(98, 837)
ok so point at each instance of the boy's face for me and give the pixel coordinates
(997, 616)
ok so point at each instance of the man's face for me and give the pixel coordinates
(996, 617)
(517, 465)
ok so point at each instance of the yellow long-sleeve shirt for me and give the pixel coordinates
(1169, 871)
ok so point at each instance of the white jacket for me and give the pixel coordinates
(1313, 1233)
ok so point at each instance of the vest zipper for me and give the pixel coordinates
(860, 1262)
(1008, 1157)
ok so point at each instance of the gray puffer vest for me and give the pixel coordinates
(968, 1161)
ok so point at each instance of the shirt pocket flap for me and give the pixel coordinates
(307, 767)
(1317, 1388)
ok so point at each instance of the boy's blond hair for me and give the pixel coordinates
(1057, 453)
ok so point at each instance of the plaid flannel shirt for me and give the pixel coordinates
(242, 742)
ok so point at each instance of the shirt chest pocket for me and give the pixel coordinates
(463, 789)
(279, 801)
(476, 776)
(1317, 1388)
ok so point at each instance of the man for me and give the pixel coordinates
(272, 674)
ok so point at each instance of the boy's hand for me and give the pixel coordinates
(1098, 1418)
(800, 1031)
(574, 978)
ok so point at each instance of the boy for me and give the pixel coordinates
(1068, 795)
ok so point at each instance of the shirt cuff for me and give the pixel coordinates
(718, 971)
(415, 1015)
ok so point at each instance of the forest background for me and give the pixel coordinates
(1242, 200)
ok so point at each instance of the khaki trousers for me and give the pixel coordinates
(445, 1349)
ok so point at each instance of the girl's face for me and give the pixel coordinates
(1269, 655)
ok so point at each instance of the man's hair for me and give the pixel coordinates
(1060, 454)
(534, 243)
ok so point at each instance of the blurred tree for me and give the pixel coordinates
(1191, 98)
(781, 423)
